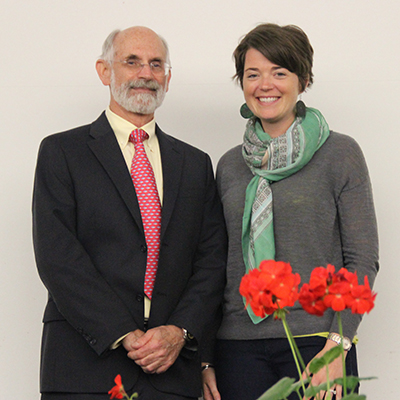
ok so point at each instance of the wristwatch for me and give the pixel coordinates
(189, 338)
(338, 339)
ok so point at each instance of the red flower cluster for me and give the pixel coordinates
(338, 291)
(270, 288)
(118, 390)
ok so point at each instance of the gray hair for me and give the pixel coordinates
(108, 47)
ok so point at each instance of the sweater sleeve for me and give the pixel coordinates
(358, 226)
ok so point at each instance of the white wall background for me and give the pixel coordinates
(48, 84)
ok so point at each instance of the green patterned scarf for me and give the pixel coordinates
(270, 160)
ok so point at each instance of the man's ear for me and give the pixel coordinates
(168, 79)
(103, 69)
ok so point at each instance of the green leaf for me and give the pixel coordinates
(318, 363)
(312, 391)
(352, 381)
(280, 391)
(354, 396)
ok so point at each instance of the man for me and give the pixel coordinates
(93, 245)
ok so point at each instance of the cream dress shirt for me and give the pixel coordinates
(122, 130)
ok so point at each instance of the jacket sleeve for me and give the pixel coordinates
(80, 293)
(198, 306)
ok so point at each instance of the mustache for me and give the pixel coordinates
(152, 85)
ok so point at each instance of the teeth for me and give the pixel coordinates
(268, 99)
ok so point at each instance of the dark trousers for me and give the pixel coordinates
(245, 369)
(145, 390)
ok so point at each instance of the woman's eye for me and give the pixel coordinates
(252, 76)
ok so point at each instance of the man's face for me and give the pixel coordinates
(138, 90)
(138, 96)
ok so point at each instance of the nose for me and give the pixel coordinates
(266, 82)
(145, 72)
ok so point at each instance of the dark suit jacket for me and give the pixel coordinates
(91, 255)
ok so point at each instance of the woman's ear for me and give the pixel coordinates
(306, 82)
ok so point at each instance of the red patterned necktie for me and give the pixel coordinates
(149, 203)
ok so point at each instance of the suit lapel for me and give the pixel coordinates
(106, 149)
(104, 145)
(172, 166)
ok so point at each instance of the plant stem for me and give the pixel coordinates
(300, 358)
(339, 319)
(292, 347)
(328, 385)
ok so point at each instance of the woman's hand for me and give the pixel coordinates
(335, 371)
(210, 390)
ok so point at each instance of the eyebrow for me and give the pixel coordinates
(132, 57)
(257, 69)
(135, 57)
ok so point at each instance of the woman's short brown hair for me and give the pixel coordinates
(287, 46)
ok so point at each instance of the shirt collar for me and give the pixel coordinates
(123, 128)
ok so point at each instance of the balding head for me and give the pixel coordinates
(135, 65)
(140, 32)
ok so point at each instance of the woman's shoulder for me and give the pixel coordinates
(343, 157)
(231, 154)
(341, 148)
(232, 166)
(231, 159)
(343, 143)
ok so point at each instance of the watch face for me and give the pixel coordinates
(346, 343)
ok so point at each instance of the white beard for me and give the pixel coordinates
(139, 103)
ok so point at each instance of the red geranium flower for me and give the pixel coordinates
(269, 288)
(311, 301)
(339, 296)
(364, 298)
(118, 390)
(338, 291)
(321, 277)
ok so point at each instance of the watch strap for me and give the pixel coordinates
(338, 339)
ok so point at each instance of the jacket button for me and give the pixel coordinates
(139, 297)
(143, 248)
(92, 342)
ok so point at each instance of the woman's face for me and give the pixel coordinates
(270, 92)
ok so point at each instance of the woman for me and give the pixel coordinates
(293, 191)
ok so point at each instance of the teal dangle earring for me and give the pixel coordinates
(300, 108)
(245, 111)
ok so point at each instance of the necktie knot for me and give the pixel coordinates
(138, 135)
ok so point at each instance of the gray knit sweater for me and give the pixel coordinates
(323, 214)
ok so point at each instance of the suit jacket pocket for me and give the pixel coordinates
(51, 313)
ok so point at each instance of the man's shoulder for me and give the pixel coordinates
(78, 133)
(70, 133)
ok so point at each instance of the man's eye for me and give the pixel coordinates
(156, 65)
(131, 62)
